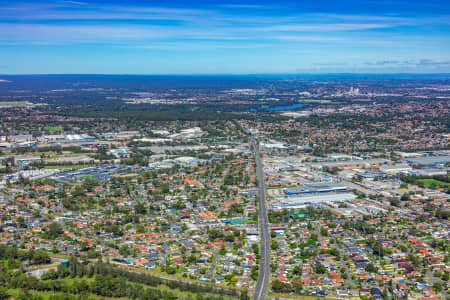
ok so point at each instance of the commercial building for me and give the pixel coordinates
(429, 160)
(187, 133)
(315, 188)
(119, 136)
(79, 138)
(396, 169)
(270, 145)
(21, 138)
(52, 138)
(300, 202)
(350, 164)
(25, 161)
(430, 172)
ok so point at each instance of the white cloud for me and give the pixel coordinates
(358, 17)
(327, 27)
(71, 22)
(249, 6)
(74, 2)
(310, 38)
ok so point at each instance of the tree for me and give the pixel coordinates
(273, 245)
(40, 258)
(89, 184)
(124, 250)
(21, 222)
(84, 246)
(4, 295)
(254, 273)
(371, 268)
(78, 191)
(281, 287)
(140, 208)
(24, 295)
(229, 238)
(244, 296)
(395, 202)
(405, 197)
(165, 188)
(80, 286)
(437, 286)
(297, 270)
(320, 269)
(255, 248)
(54, 230)
(298, 287)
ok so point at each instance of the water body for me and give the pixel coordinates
(277, 108)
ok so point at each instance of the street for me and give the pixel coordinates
(264, 269)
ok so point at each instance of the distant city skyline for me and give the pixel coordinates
(224, 37)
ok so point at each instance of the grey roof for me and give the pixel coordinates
(315, 188)
(429, 160)
(294, 201)
(348, 162)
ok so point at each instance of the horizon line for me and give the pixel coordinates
(223, 74)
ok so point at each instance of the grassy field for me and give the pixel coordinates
(87, 176)
(15, 103)
(430, 182)
(19, 293)
(157, 271)
(53, 128)
(298, 297)
(45, 295)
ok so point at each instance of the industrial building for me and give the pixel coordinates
(27, 160)
(429, 160)
(350, 163)
(396, 169)
(300, 202)
(315, 188)
(430, 172)
(79, 138)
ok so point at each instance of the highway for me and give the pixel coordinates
(263, 222)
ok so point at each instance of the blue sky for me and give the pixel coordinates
(224, 37)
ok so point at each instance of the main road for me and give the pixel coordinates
(263, 221)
